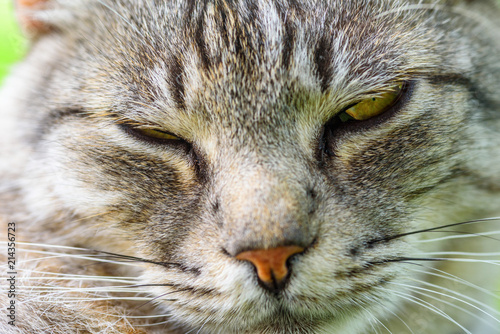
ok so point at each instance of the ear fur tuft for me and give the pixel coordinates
(26, 13)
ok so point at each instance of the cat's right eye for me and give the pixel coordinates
(157, 134)
(151, 135)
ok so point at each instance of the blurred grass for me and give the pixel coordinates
(12, 43)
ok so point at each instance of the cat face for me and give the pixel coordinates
(187, 134)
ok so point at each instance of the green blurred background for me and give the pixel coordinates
(12, 44)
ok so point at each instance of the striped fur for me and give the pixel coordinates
(147, 232)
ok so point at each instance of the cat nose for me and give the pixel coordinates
(271, 264)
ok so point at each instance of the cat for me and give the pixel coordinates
(256, 166)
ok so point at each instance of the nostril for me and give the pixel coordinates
(271, 264)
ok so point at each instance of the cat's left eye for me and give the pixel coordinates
(366, 114)
(372, 107)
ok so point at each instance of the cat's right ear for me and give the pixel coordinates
(30, 14)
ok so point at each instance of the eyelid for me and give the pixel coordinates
(152, 132)
(151, 135)
(373, 106)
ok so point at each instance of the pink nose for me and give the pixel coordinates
(271, 263)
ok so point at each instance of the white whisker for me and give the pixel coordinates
(454, 278)
(41, 289)
(419, 289)
(90, 257)
(419, 292)
(463, 236)
(154, 316)
(460, 253)
(393, 314)
(87, 299)
(377, 320)
(51, 246)
(450, 259)
(428, 306)
(166, 322)
(63, 276)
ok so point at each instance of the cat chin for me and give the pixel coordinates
(279, 321)
(251, 310)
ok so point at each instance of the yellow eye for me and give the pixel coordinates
(157, 134)
(153, 136)
(372, 107)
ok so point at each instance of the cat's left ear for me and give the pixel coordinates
(31, 18)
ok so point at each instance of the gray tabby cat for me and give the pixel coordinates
(258, 166)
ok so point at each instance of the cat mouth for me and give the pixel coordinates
(273, 314)
(306, 298)
(264, 311)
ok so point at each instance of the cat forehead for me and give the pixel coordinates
(252, 54)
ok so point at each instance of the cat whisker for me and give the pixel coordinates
(449, 259)
(493, 262)
(147, 316)
(457, 253)
(450, 304)
(138, 259)
(49, 298)
(469, 222)
(387, 309)
(117, 289)
(155, 323)
(56, 275)
(160, 297)
(99, 256)
(50, 246)
(84, 295)
(90, 257)
(464, 233)
(69, 290)
(203, 325)
(155, 284)
(460, 298)
(372, 319)
(374, 300)
(448, 276)
(427, 305)
(403, 260)
(464, 236)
